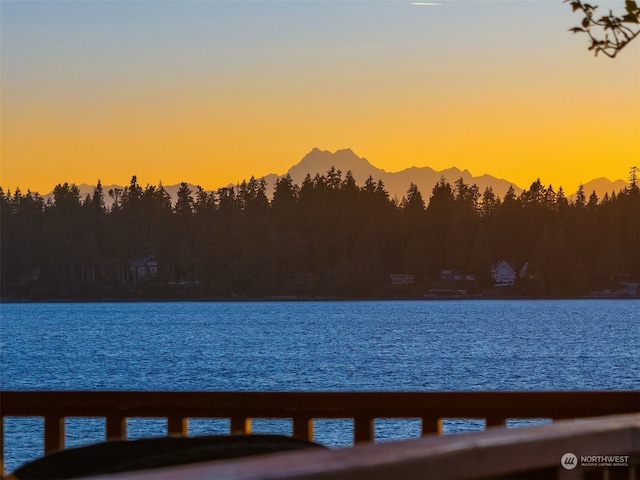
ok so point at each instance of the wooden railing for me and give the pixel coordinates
(499, 453)
(303, 407)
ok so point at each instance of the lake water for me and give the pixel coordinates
(351, 345)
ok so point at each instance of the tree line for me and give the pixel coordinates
(327, 236)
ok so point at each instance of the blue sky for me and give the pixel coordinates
(212, 91)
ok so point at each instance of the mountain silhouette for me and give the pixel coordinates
(601, 186)
(396, 183)
(320, 161)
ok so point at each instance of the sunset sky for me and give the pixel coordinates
(211, 92)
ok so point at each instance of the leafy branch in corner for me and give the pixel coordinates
(609, 33)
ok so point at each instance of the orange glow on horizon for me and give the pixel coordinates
(517, 110)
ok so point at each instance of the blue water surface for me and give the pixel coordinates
(274, 346)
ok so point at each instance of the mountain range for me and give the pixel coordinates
(396, 183)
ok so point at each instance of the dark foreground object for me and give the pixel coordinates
(128, 455)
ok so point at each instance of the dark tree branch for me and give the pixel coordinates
(611, 33)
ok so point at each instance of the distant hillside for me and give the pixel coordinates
(320, 161)
(396, 183)
(601, 186)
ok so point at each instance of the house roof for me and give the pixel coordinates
(145, 260)
(502, 265)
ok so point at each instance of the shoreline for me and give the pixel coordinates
(426, 298)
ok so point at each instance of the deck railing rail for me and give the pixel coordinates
(605, 448)
(303, 407)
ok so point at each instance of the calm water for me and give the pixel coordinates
(381, 345)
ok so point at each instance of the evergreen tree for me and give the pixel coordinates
(561, 200)
(97, 200)
(489, 202)
(184, 204)
(413, 203)
(580, 197)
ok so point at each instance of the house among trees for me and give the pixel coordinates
(402, 279)
(448, 276)
(503, 273)
(144, 267)
(452, 283)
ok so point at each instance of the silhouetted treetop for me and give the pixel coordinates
(413, 201)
